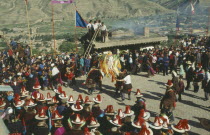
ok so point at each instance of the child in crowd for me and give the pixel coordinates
(70, 75)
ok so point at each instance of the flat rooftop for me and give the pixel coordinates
(128, 42)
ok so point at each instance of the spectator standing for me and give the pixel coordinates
(87, 65)
(103, 32)
(81, 65)
(165, 65)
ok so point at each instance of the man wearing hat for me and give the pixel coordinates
(189, 74)
(168, 102)
(55, 75)
(77, 124)
(41, 128)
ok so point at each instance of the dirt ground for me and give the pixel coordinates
(192, 107)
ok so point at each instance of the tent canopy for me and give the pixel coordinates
(5, 88)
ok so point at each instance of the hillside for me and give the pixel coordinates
(13, 11)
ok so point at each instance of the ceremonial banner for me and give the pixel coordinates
(62, 1)
(80, 21)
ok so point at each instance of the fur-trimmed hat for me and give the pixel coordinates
(41, 114)
(138, 93)
(18, 103)
(70, 100)
(76, 107)
(109, 110)
(121, 114)
(78, 120)
(93, 123)
(58, 90)
(169, 83)
(56, 115)
(63, 95)
(97, 99)
(30, 103)
(157, 123)
(144, 115)
(80, 99)
(48, 96)
(145, 131)
(87, 100)
(24, 92)
(139, 122)
(53, 101)
(35, 95)
(37, 84)
(182, 126)
(41, 98)
(128, 111)
(116, 121)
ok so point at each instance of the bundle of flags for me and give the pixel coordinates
(192, 9)
(62, 1)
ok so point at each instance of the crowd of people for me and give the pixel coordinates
(26, 110)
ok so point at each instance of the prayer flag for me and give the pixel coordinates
(192, 9)
(62, 1)
(79, 21)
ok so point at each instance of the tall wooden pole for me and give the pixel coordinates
(75, 29)
(29, 30)
(53, 30)
(208, 23)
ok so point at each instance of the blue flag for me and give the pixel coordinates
(79, 21)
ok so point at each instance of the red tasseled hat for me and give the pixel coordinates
(99, 97)
(87, 100)
(59, 89)
(49, 96)
(78, 105)
(56, 115)
(41, 98)
(144, 130)
(127, 109)
(37, 84)
(23, 89)
(80, 99)
(169, 83)
(109, 109)
(141, 114)
(139, 122)
(86, 131)
(16, 96)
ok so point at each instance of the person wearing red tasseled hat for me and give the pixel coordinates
(119, 83)
(145, 131)
(168, 102)
(96, 110)
(77, 122)
(140, 104)
(86, 112)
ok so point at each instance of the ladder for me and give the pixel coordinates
(8, 44)
(87, 52)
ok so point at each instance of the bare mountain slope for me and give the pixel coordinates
(13, 11)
